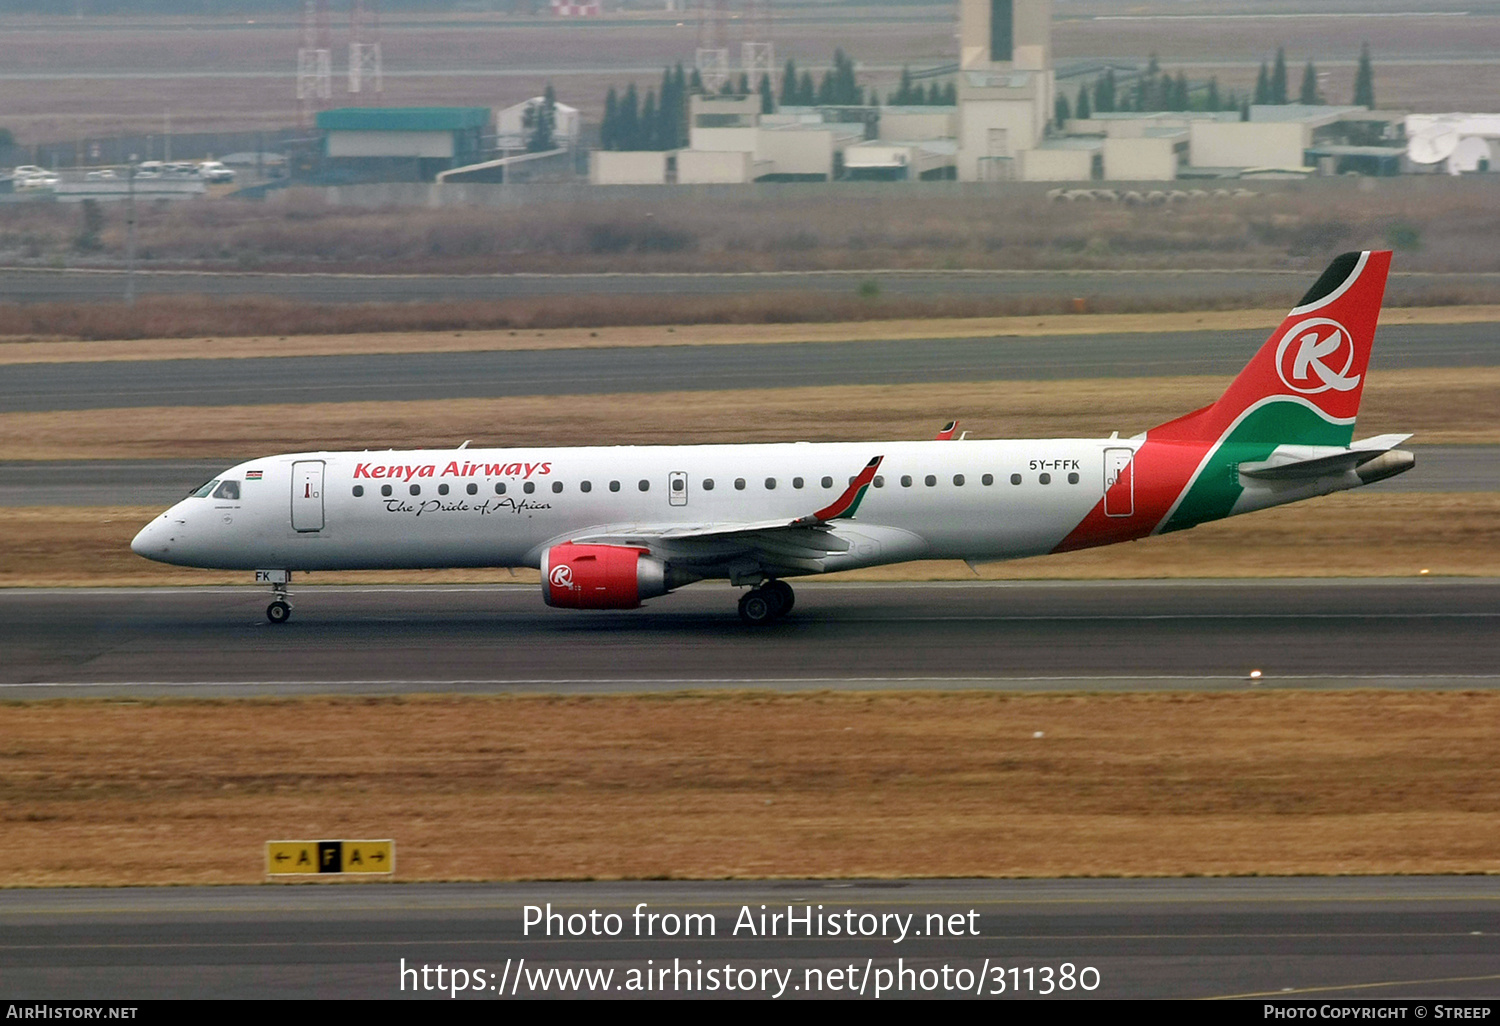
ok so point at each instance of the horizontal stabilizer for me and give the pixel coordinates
(1302, 462)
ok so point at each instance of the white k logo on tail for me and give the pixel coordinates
(1321, 346)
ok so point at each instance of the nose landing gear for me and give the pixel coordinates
(767, 603)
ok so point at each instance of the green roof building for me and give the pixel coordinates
(401, 143)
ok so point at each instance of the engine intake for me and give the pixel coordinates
(601, 576)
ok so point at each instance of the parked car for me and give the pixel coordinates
(214, 172)
(44, 180)
(102, 175)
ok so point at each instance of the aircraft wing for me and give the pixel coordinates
(770, 547)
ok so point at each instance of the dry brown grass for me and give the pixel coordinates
(1361, 534)
(757, 785)
(1443, 406)
(1443, 224)
(25, 349)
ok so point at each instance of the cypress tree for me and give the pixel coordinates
(1309, 93)
(1213, 102)
(1263, 85)
(650, 130)
(807, 93)
(629, 135)
(789, 84)
(1278, 77)
(950, 94)
(1060, 111)
(1084, 112)
(1180, 92)
(695, 83)
(1364, 80)
(767, 95)
(610, 129)
(903, 91)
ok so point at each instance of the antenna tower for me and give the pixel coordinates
(314, 60)
(757, 52)
(712, 60)
(364, 48)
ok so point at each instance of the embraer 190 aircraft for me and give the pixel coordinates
(612, 526)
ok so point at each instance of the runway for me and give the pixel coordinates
(416, 376)
(1023, 636)
(1279, 288)
(1382, 938)
(1440, 468)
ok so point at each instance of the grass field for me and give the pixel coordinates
(756, 785)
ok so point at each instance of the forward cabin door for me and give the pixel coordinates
(1119, 483)
(677, 489)
(307, 495)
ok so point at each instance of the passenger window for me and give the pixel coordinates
(359, 490)
(827, 482)
(499, 487)
(930, 480)
(585, 486)
(206, 490)
(556, 487)
(797, 482)
(1073, 477)
(770, 484)
(228, 490)
(958, 479)
(385, 490)
(905, 480)
(614, 486)
(645, 485)
(529, 487)
(879, 480)
(1045, 479)
(473, 488)
(442, 489)
(1015, 479)
(416, 489)
(987, 480)
(708, 484)
(739, 484)
(679, 485)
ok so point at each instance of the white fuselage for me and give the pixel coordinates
(505, 507)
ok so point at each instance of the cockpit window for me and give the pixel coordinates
(228, 490)
(206, 489)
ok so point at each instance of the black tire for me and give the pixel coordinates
(278, 612)
(757, 608)
(784, 594)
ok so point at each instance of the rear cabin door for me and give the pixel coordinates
(677, 488)
(307, 495)
(1119, 483)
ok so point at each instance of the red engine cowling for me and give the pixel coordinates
(600, 576)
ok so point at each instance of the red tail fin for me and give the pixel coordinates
(1317, 358)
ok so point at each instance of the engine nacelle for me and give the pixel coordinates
(600, 576)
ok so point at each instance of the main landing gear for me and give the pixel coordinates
(767, 603)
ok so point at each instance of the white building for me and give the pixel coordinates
(511, 132)
(1005, 85)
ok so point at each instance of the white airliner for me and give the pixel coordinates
(612, 526)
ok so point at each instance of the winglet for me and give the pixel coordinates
(946, 435)
(844, 507)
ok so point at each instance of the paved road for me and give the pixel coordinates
(1442, 468)
(1411, 633)
(408, 376)
(1277, 288)
(1383, 938)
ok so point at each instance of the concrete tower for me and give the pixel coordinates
(1005, 84)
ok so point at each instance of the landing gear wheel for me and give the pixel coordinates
(758, 608)
(782, 594)
(278, 612)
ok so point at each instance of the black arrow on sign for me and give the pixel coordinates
(379, 856)
(282, 856)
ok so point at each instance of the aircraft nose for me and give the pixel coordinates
(150, 541)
